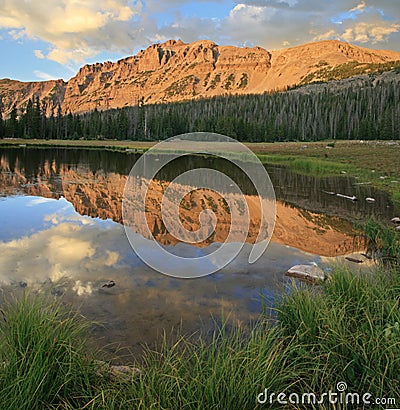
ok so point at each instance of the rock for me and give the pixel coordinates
(175, 71)
(124, 372)
(352, 198)
(367, 256)
(349, 258)
(109, 284)
(395, 220)
(121, 372)
(309, 273)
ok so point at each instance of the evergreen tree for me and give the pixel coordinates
(1, 119)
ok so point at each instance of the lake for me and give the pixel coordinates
(61, 232)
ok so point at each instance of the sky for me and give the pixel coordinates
(50, 39)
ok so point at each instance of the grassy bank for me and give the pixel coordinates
(345, 330)
(376, 162)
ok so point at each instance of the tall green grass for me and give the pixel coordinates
(383, 241)
(347, 330)
(43, 355)
(309, 166)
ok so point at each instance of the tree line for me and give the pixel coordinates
(370, 110)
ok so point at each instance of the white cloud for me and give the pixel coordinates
(273, 23)
(359, 7)
(39, 54)
(77, 31)
(331, 34)
(44, 76)
(370, 32)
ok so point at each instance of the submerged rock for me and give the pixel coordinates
(109, 284)
(351, 198)
(355, 260)
(121, 372)
(309, 273)
(396, 220)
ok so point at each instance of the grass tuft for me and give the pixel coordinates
(346, 330)
(383, 242)
(349, 329)
(44, 355)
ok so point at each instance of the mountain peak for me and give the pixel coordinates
(177, 71)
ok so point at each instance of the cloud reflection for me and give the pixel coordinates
(75, 255)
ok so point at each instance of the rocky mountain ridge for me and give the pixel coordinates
(176, 71)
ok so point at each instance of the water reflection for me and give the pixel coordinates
(60, 213)
(75, 255)
(93, 181)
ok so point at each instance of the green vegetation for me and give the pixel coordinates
(243, 80)
(206, 78)
(309, 166)
(346, 329)
(347, 70)
(44, 355)
(229, 81)
(180, 86)
(214, 82)
(383, 242)
(359, 109)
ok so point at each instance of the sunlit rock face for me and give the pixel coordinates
(99, 194)
(176, 71)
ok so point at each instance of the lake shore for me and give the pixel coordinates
(345, 330)
(374, 162)
(324, 335)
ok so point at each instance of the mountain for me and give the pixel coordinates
(176, 71)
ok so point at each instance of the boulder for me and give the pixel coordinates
(309, 273)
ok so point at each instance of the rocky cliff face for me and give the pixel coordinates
(175, 71)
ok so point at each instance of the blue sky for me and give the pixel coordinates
(44, 39)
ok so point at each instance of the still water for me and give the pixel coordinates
(61, 230)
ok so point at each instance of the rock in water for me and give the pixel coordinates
(309, 273)
(109, 284)
(355, 260)
(351, 198)
(396, 220)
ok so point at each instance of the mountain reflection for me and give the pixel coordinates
(94, 181)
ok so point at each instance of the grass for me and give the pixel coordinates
(347, 329)
(44, 355)
(309, 166)
(383, 242)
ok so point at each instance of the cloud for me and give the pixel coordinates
(373, 33)
(39, 54)
(359, 7)
(329, 35)
(276, 24)
(78, 31)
